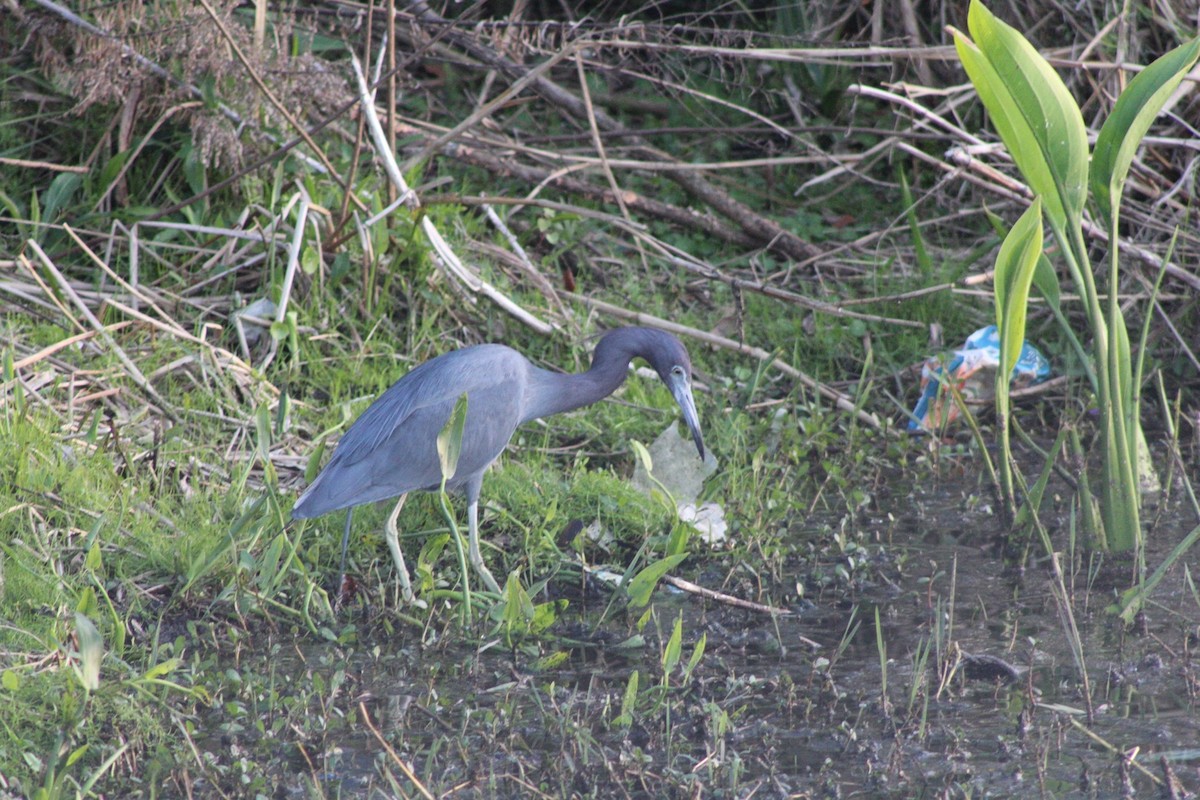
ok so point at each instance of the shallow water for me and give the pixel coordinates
(983, 697)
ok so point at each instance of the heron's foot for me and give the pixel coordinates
(406, 590)
(483, 572)
(392, 536)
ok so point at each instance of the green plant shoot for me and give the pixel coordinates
(1042, 127)
(1015, 266)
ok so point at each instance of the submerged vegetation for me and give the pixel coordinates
(223, 233)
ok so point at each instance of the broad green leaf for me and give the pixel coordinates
(59, 195)
(271, 562)
(94, 561)
(113, 167)
(1015, 266)
(91, 651)
(544, 615)
(77, 754)
(642, 585)
(1046, 281)
(449, 440)
(1131, 117)
(674, 649)
(643, 620)
(262, 430)
(87, 603)
(628, 702)
(162, 668)
(310, 260)
(314, 461)
(1032, 110)
(281, 415)
(550, 662)
(635, 642)
(1044, 276)
(518, 607)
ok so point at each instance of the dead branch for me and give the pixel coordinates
(764, 232)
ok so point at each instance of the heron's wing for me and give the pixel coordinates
(484, 373)
(392, 447)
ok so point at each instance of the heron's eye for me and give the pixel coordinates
(677, 371)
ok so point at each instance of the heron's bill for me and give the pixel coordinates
(681, 389)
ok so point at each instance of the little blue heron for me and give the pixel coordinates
(391, 449)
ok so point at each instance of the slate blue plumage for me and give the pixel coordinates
(391, 449)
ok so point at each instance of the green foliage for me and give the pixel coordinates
(1032, 110)
(1126, 126)
(1043, 130)
(644, 583)
(1015, 265)
(520, 617)
(449, 440)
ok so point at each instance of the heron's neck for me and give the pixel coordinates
(554, 392)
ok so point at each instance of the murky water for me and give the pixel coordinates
(941, 671)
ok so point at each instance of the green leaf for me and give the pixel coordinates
(1122, 366)
(1046, 281)
(551, 661)
(91, 651)
(635, 642)
(269, 564)
(1015, 266)
(314, 461)
(643, 455)
(113, 167)
(544, 615)
(93, 561)
(628, 702)
(1044, 276)
(282, 411)
(262, 430)
(59, 195)
(518, 607)
(449, 441)
(76, 754)
(1032, 110)
(1131, 117)
(674, 649)
(162, 668)
(310, 260)
(87, 602)
(642, 585)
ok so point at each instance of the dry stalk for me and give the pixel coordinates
(131, 368)
(445, 255)
(764, 231)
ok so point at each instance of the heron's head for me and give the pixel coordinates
(670, 360)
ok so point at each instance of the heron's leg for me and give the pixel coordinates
(393, 542)
(345, 545)
(473, 546)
